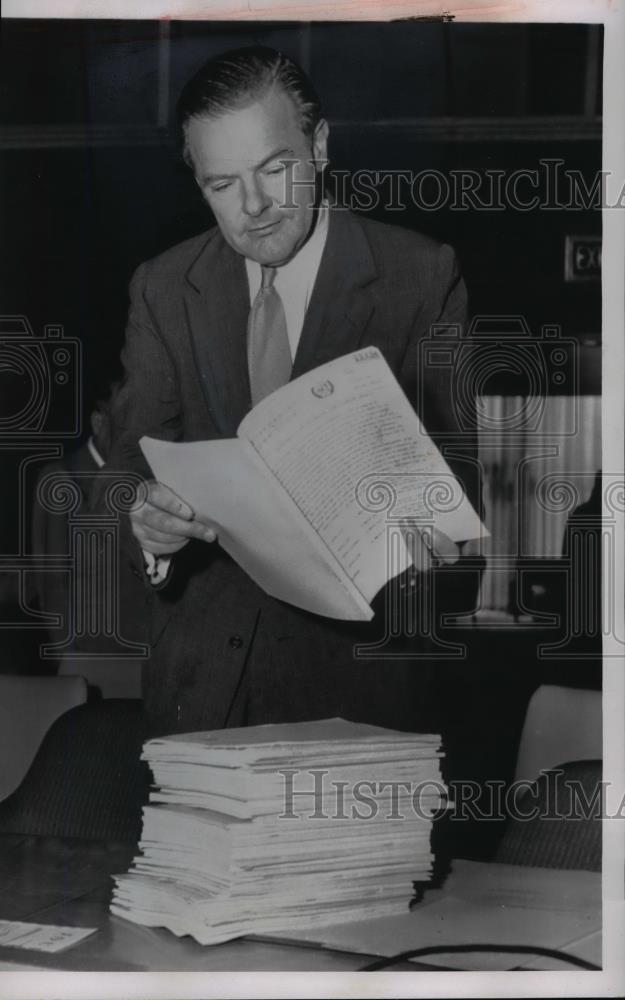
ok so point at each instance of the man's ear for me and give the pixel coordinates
(320, 144)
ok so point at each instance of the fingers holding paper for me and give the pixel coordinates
(163, 523)
(429, 547)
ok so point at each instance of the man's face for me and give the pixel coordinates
(263, 206)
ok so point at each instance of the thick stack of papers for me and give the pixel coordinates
(271, 828)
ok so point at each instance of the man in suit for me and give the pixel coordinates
(283, 284)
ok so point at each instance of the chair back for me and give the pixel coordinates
(28, 708)
(561, 724)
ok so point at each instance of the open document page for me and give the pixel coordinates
(307, 498)
(227, 484)
(345, 443)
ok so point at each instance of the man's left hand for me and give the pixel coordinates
(432, 547)
(429, 548)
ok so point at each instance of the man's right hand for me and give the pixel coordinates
(164, 524)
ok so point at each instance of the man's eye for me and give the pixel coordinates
(277, 169)
(221, 186)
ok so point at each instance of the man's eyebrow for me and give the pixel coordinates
(274, 156)
(212, 178)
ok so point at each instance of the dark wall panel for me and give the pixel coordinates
(81, 213)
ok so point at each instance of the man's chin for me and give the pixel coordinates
(269, 256)
(271, 250)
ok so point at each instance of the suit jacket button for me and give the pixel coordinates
(235, 641)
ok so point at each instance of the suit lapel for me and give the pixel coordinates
(217, 306)
(340, 306)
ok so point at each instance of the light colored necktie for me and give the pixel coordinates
(268, 350)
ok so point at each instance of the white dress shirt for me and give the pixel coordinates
(294, 282)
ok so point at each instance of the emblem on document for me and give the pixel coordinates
(323, 390)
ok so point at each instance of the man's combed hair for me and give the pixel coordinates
(235, 79)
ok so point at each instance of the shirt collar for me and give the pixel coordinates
(301, 270)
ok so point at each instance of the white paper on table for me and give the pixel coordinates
(41, 937)
(485, 904)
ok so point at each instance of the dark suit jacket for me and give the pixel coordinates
(51, 589)
(50, 536)
(223, 652)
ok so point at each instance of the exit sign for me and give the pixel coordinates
(582, 258)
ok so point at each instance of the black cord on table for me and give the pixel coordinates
(460, 949)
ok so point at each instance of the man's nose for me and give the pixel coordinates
(255, 200)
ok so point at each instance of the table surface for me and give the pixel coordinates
(50, 880)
